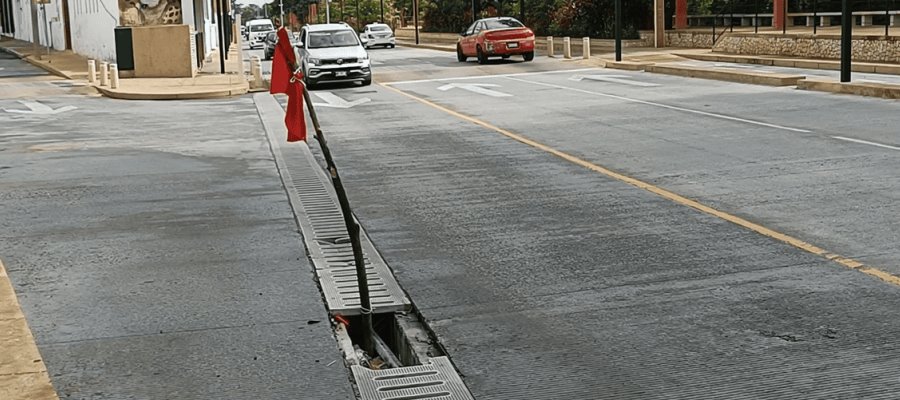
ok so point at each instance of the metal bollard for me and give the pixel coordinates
(549, 46)
(92, 71)
(113, 76)
(586, 47)
(567, 47)
(104, 73)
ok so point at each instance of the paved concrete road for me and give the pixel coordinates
(153, 251)
(545, 278)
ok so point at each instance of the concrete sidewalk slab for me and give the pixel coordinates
(209, 82)
(199, 87)
(781, 61)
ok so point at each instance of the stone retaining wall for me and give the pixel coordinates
(689, 39)
(865, 48)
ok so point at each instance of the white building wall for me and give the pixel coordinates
(93, 28)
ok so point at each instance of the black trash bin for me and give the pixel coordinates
(124, 48)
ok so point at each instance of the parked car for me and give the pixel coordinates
(272, 40)
(333, 53)
(377, 35)
(490, 37)
(257, 30)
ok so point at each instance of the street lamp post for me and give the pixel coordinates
(327, 11)
(416, 18)
(382, 11)
(619, 30)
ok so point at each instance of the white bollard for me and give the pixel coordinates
(586, 47)
(104, 73)
(114, 76)
(92, 71)
(256, 72)
(567, 47)
(549, 46)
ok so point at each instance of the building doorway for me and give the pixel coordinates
(66, 26)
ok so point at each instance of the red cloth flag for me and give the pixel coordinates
(286, 78)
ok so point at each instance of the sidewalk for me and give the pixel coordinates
(209, 82)
(667, 61)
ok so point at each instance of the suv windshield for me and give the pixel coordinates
(502, 23)
(341, 38)
(261, 28)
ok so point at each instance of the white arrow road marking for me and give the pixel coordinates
(480, 88)
(332, 100)
(38, 108)
(621, 79)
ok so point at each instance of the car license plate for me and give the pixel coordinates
(340, 73)
(512, 45)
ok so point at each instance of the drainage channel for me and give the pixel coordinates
(409, 364)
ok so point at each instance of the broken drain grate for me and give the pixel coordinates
(325, 234)
(435, 380)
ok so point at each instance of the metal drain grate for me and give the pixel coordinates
(329, 247)
(435, 380)
(316, 207)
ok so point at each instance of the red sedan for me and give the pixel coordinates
(491, 37)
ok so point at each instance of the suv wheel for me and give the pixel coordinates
(480, 55)
(459, 54)
(367, 81)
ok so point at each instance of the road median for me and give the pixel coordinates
(870, 89)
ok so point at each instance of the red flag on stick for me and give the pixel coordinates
(286, 78)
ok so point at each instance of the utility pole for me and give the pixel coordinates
(382, 11)
(281, 7)
(220, 4)
(327, 11)
(357, 16)
(416, 18)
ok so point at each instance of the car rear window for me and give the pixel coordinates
(379, 28)
(261, 28)
(502, 24)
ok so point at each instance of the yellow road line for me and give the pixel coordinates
(846, 262)
(23, 375)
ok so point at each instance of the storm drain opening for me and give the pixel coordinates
(401, 340)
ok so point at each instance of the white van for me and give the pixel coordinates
(257, 30)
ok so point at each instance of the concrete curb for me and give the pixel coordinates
(426, 46)
(776, 61)
(629, 65)
(870, 89)
(727, 75)
(36, 63)
(198, 95)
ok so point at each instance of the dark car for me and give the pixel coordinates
(271, 40)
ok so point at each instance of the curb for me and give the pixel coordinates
(727, 75)
(832, 65)
(205, 95)
(629, 65)
(883, 90)
(426, 46)
(36, 63)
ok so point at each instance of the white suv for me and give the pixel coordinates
(333, 53)
(377, 35)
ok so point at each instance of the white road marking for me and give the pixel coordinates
(666, 106)
(38, 108)
(460, 78)
(885, 146)
(480, 88)
(620, 79)
(332, 100)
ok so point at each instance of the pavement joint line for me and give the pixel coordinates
(667, 106)
(24, 375)
(866, 142)
(460, 78)
(672, 196)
